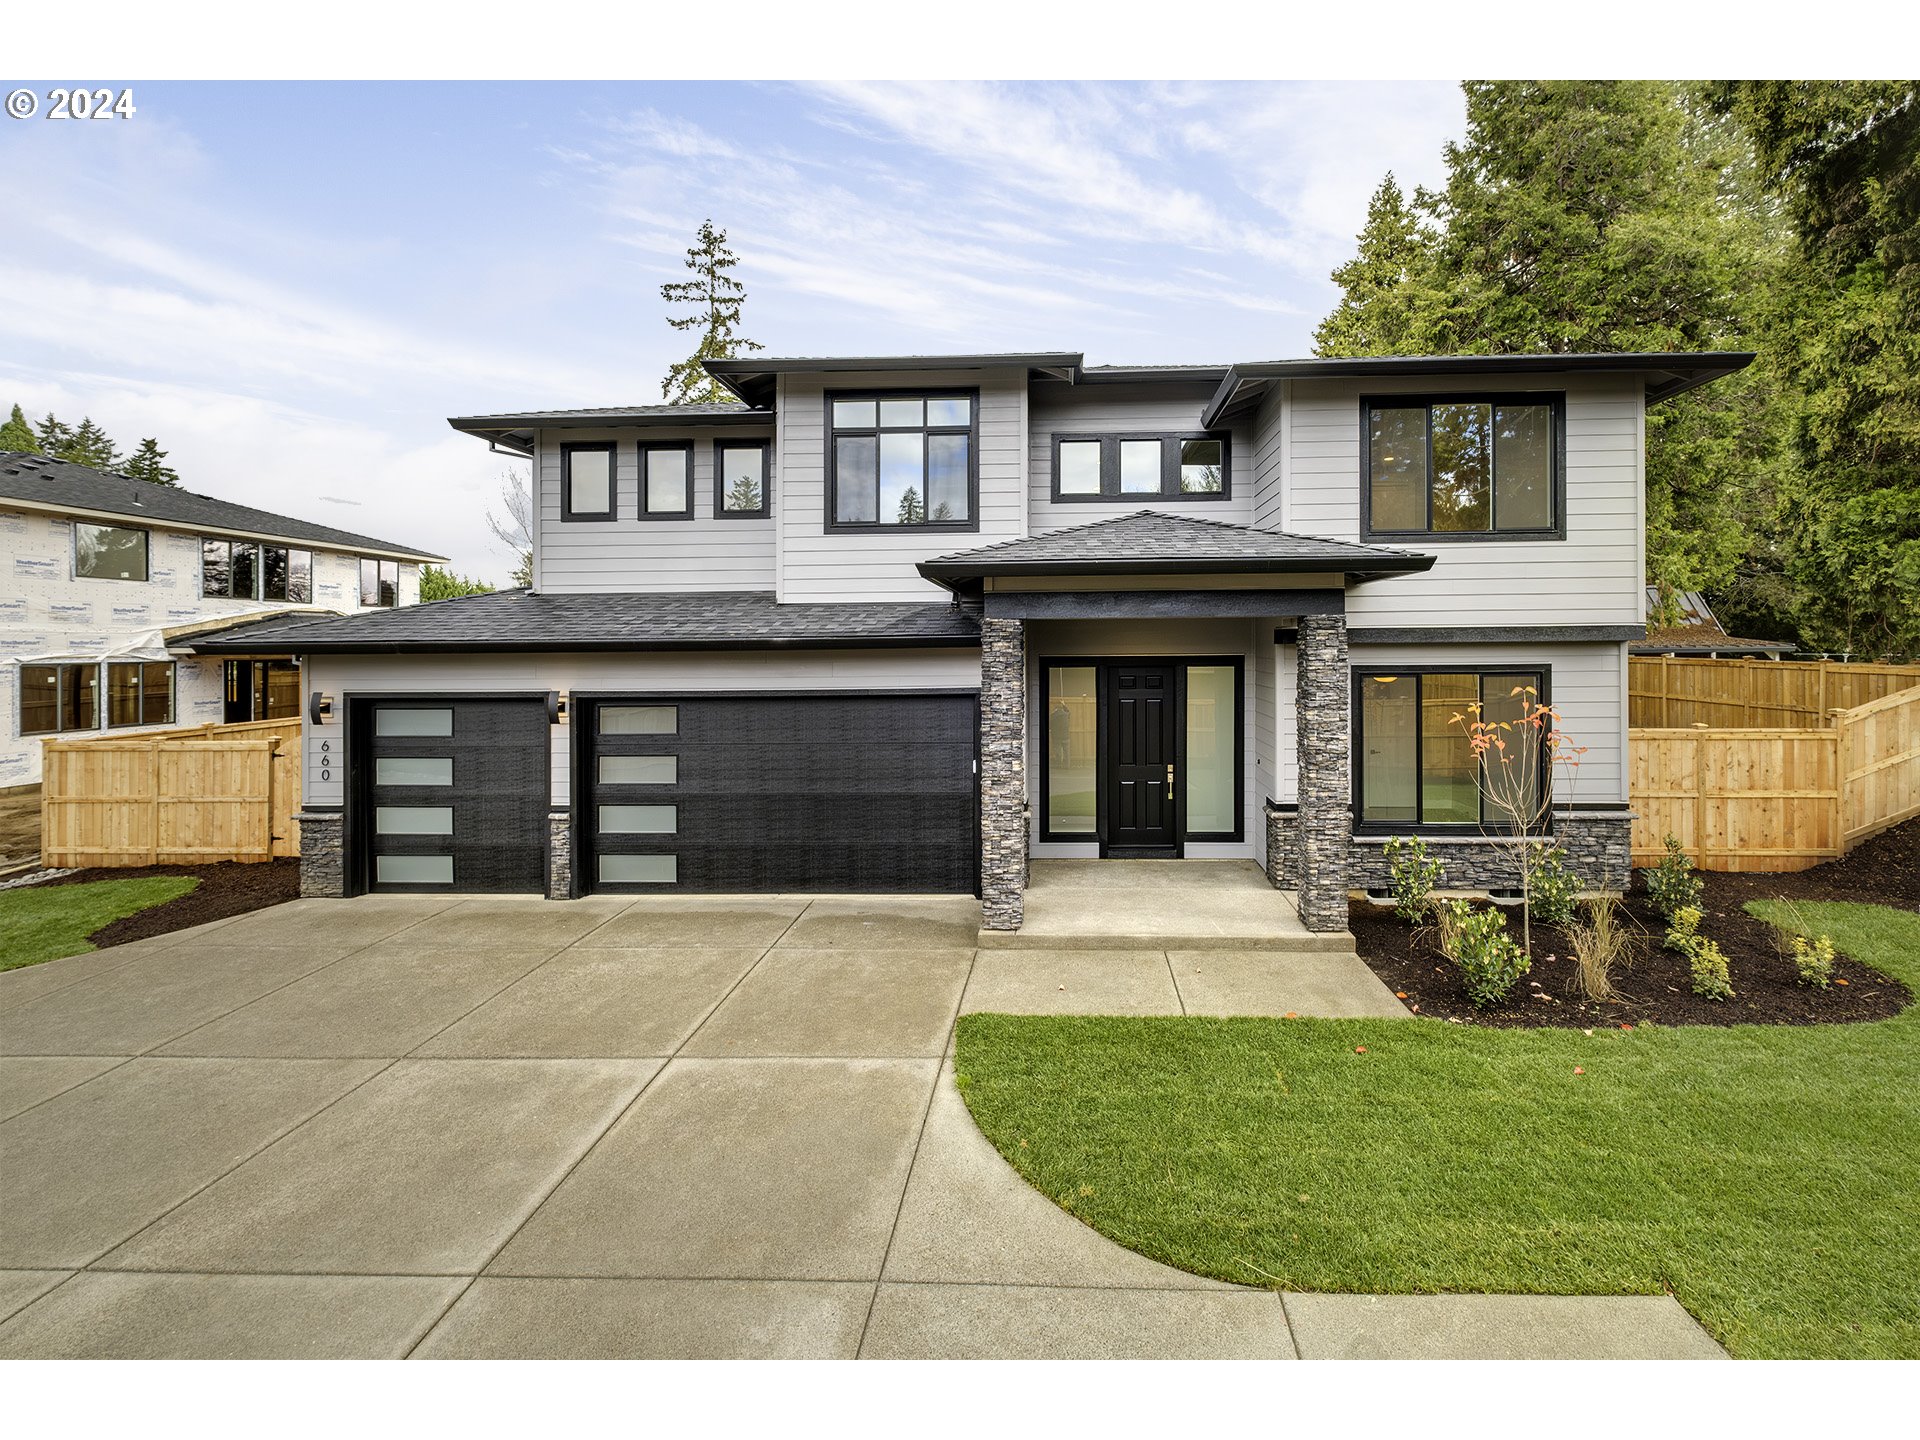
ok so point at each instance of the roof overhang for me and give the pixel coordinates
(754, 380)
(969, 577)
(1666, 374)
(293, 645)
(516, 433)
(371, 549)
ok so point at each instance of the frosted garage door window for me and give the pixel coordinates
(639, 719)
(413, 770)
(413, 722)
(413, 869)
(639, 869)
(638, 819)
(413, 819)
(639, 769)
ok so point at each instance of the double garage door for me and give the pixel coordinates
(854, 793)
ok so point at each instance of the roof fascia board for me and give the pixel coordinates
(292, 644)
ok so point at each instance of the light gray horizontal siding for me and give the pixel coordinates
(630, 553)
(660, 673)
(1120, 409)
(1594, 576)
(816, 564)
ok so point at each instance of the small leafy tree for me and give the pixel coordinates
(437, 583)
(149, 463)
(1412, 875)
(716, 298)
(1515, 760)
(16, 434)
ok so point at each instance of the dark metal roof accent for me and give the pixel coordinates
(753, 379)
(515, 431)
(681, 620)
(1137, 374)
(50, 484)
(1668, 373)
(1152, 542)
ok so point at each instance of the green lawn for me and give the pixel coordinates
(1769, 1176)
(44, 922)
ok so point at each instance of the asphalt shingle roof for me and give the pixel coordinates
(1153, 541)
(46, 481)
(522, 620)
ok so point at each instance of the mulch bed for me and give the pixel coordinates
(224, 890)
(1655, 987)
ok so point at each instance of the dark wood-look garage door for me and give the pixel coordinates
(453, 795)
(856, 793)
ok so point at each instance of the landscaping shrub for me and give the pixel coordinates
(1412, 874)
(1683, 929)
(1475, 939)
(1814, 960)
(1672, 884)
(1555, 888)
(1709, 967)
(1600, 945)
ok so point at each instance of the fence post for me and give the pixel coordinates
(153, 802)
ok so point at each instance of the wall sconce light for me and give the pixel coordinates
(556, 707)
(319, 708)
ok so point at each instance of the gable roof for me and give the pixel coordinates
(522, 620)
(1152, 542)
(514, 431)
(38, 482)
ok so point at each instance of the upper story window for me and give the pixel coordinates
(898, 459)
(379, 583)
(1462, 468)
(740, 490)
(247, 570)
(109, 552)
(1124, 467)
(666, 480)
(586, 482)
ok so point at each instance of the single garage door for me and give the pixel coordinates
(854, 793)
(453, 795)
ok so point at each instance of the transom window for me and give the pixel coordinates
(109, 552)
(1123, 467)
(247, 570)
(379, 584)
(898, 459)
(1463, 467)
(586, 481)
(740, 479)
(666, 480)
(1415, 765)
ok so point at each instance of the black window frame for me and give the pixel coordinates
(720, 510)
(609, 448)
(289, 551)
(146, 551)
(140, 694)
(379, 583)
(62, 670)
(1169, 492)
(1542, 671)
(969, 526)
(1556, 400)
(650, 447)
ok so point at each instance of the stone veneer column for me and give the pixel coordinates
(559, 855)
(1325, 824)
(1003, 773)
(323, 854)
(1283, 847)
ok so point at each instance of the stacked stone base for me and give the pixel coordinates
(323, 854)
(559, 856)
(1598, 847)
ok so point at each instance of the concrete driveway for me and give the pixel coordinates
(657, 1128)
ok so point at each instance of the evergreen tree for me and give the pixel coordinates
(716, 298)
(17, 435)
(53, 437)
(89, 445)
(744, 493)
(437, 583)
(149, 463)
(1383, 287)
(913, 509)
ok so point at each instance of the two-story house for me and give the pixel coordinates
(111, 583)
(900, 623)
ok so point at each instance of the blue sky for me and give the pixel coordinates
(292, 285)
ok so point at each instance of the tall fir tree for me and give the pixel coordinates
(1386, 285)
(17, 435)
(716, 299)
(53, 436)
(148, 462)
(89, 445)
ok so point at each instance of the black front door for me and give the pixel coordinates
(1141, 713)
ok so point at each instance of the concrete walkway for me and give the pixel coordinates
(660, 1128)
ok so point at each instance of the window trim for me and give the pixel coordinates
(720, 511)
(644, 448)
(146, 551)
(1170, 491)
(1357, 747)
(971, 525)
(1556, 400)
(611, 449)
(105, 693)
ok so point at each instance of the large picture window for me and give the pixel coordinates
(1130, 467)
(897, 459)
(1463, 468)
(1415, 765)
(109, 552)
(54, 698)
(247, 570)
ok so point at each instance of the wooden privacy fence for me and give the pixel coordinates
(1667, 692)
(173, 797)
(1752, 799)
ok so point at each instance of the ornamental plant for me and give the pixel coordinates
(1683, 929)
(1555, 887)
(1672, 885)
(1515, 760)
(1412, 875)
(1709, 967)
(1475, 939)
(1813, 959)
